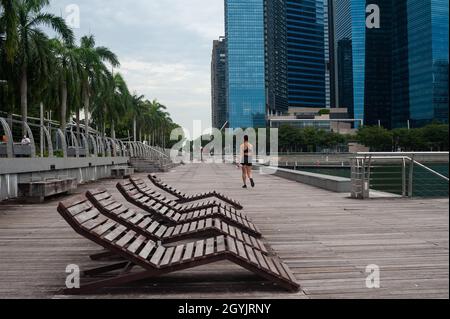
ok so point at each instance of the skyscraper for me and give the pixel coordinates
(255, 32)
(218, 84)
(378, 68)
(397, 73)
(246, 81)
(427, 22)
(276, 58)
(350, 33)
(306, 53)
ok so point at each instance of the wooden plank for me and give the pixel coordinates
(262, 262)
(221, 244)
(167, 256)
(125, 240)
(251, 255)
(157, 255)
(210, 246)
(188, 252)
(177, 255)
(135, 245)
(115, 233)
(199, 248)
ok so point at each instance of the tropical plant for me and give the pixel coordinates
(93, 70)
(32, 43)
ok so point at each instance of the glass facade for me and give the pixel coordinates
(350, 30)
(306, 53)
(244, 29)
(428, 60)
(378, 69)
(218, 84)
(276, 60)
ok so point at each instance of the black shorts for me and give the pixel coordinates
(247, 164)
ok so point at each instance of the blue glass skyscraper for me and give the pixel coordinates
(398, 73)
(350, 33)
(306, 53)
(428, 28)
(246, 82)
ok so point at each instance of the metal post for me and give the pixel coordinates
(42, 129)
(404, 177)
(411, 177)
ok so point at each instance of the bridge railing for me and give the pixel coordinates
(48, 140)
(405, 174)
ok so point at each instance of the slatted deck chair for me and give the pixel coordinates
(155, 260)
(185, 198)
(143, 224)
(168, 215)
(142, 186)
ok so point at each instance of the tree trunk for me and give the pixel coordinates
(113, 130)
(78, 126)
(86, 106)
(63, 122)
(104, 121)
(134, 129)
(24, 98)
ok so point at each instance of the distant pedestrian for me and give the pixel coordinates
(246, 162)
(26, 141)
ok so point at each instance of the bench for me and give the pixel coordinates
(19, 150)
(38, 191)
(122, 172)
(72, 151)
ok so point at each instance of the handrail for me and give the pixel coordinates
(401, 153)
(362, 165)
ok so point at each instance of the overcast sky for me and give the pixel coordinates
(164, 47)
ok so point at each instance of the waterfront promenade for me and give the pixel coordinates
(326, 239)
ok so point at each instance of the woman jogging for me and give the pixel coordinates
(246, 162)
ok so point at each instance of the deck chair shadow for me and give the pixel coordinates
(143, 223)
(185, 198)
(156, 260)
(171, 216)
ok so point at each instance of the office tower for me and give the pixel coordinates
(306, 53)
(399, 72)
(218, 84)
(350, 33)
(400, 66)
(256, 61)
(246, 85)
(427, 29)
(276, 58)
(378, 69)
(330, 37)
(345, 74)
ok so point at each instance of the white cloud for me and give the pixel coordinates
(164, 47)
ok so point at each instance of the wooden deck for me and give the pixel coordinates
(325, 238)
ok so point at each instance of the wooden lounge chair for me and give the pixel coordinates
(156, 260)
(166, 214)
(142, 186)
(185, 198)
(143, 224)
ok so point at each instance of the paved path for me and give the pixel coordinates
(327, 240)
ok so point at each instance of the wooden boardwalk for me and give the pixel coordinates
(326, 239)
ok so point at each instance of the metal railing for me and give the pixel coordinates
(405, 174)
(46, 139)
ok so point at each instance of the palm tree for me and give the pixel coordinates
(32, 41)
(66, 72)
(111, 102)
(136, 111)
(8, 30)
(92, 60)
